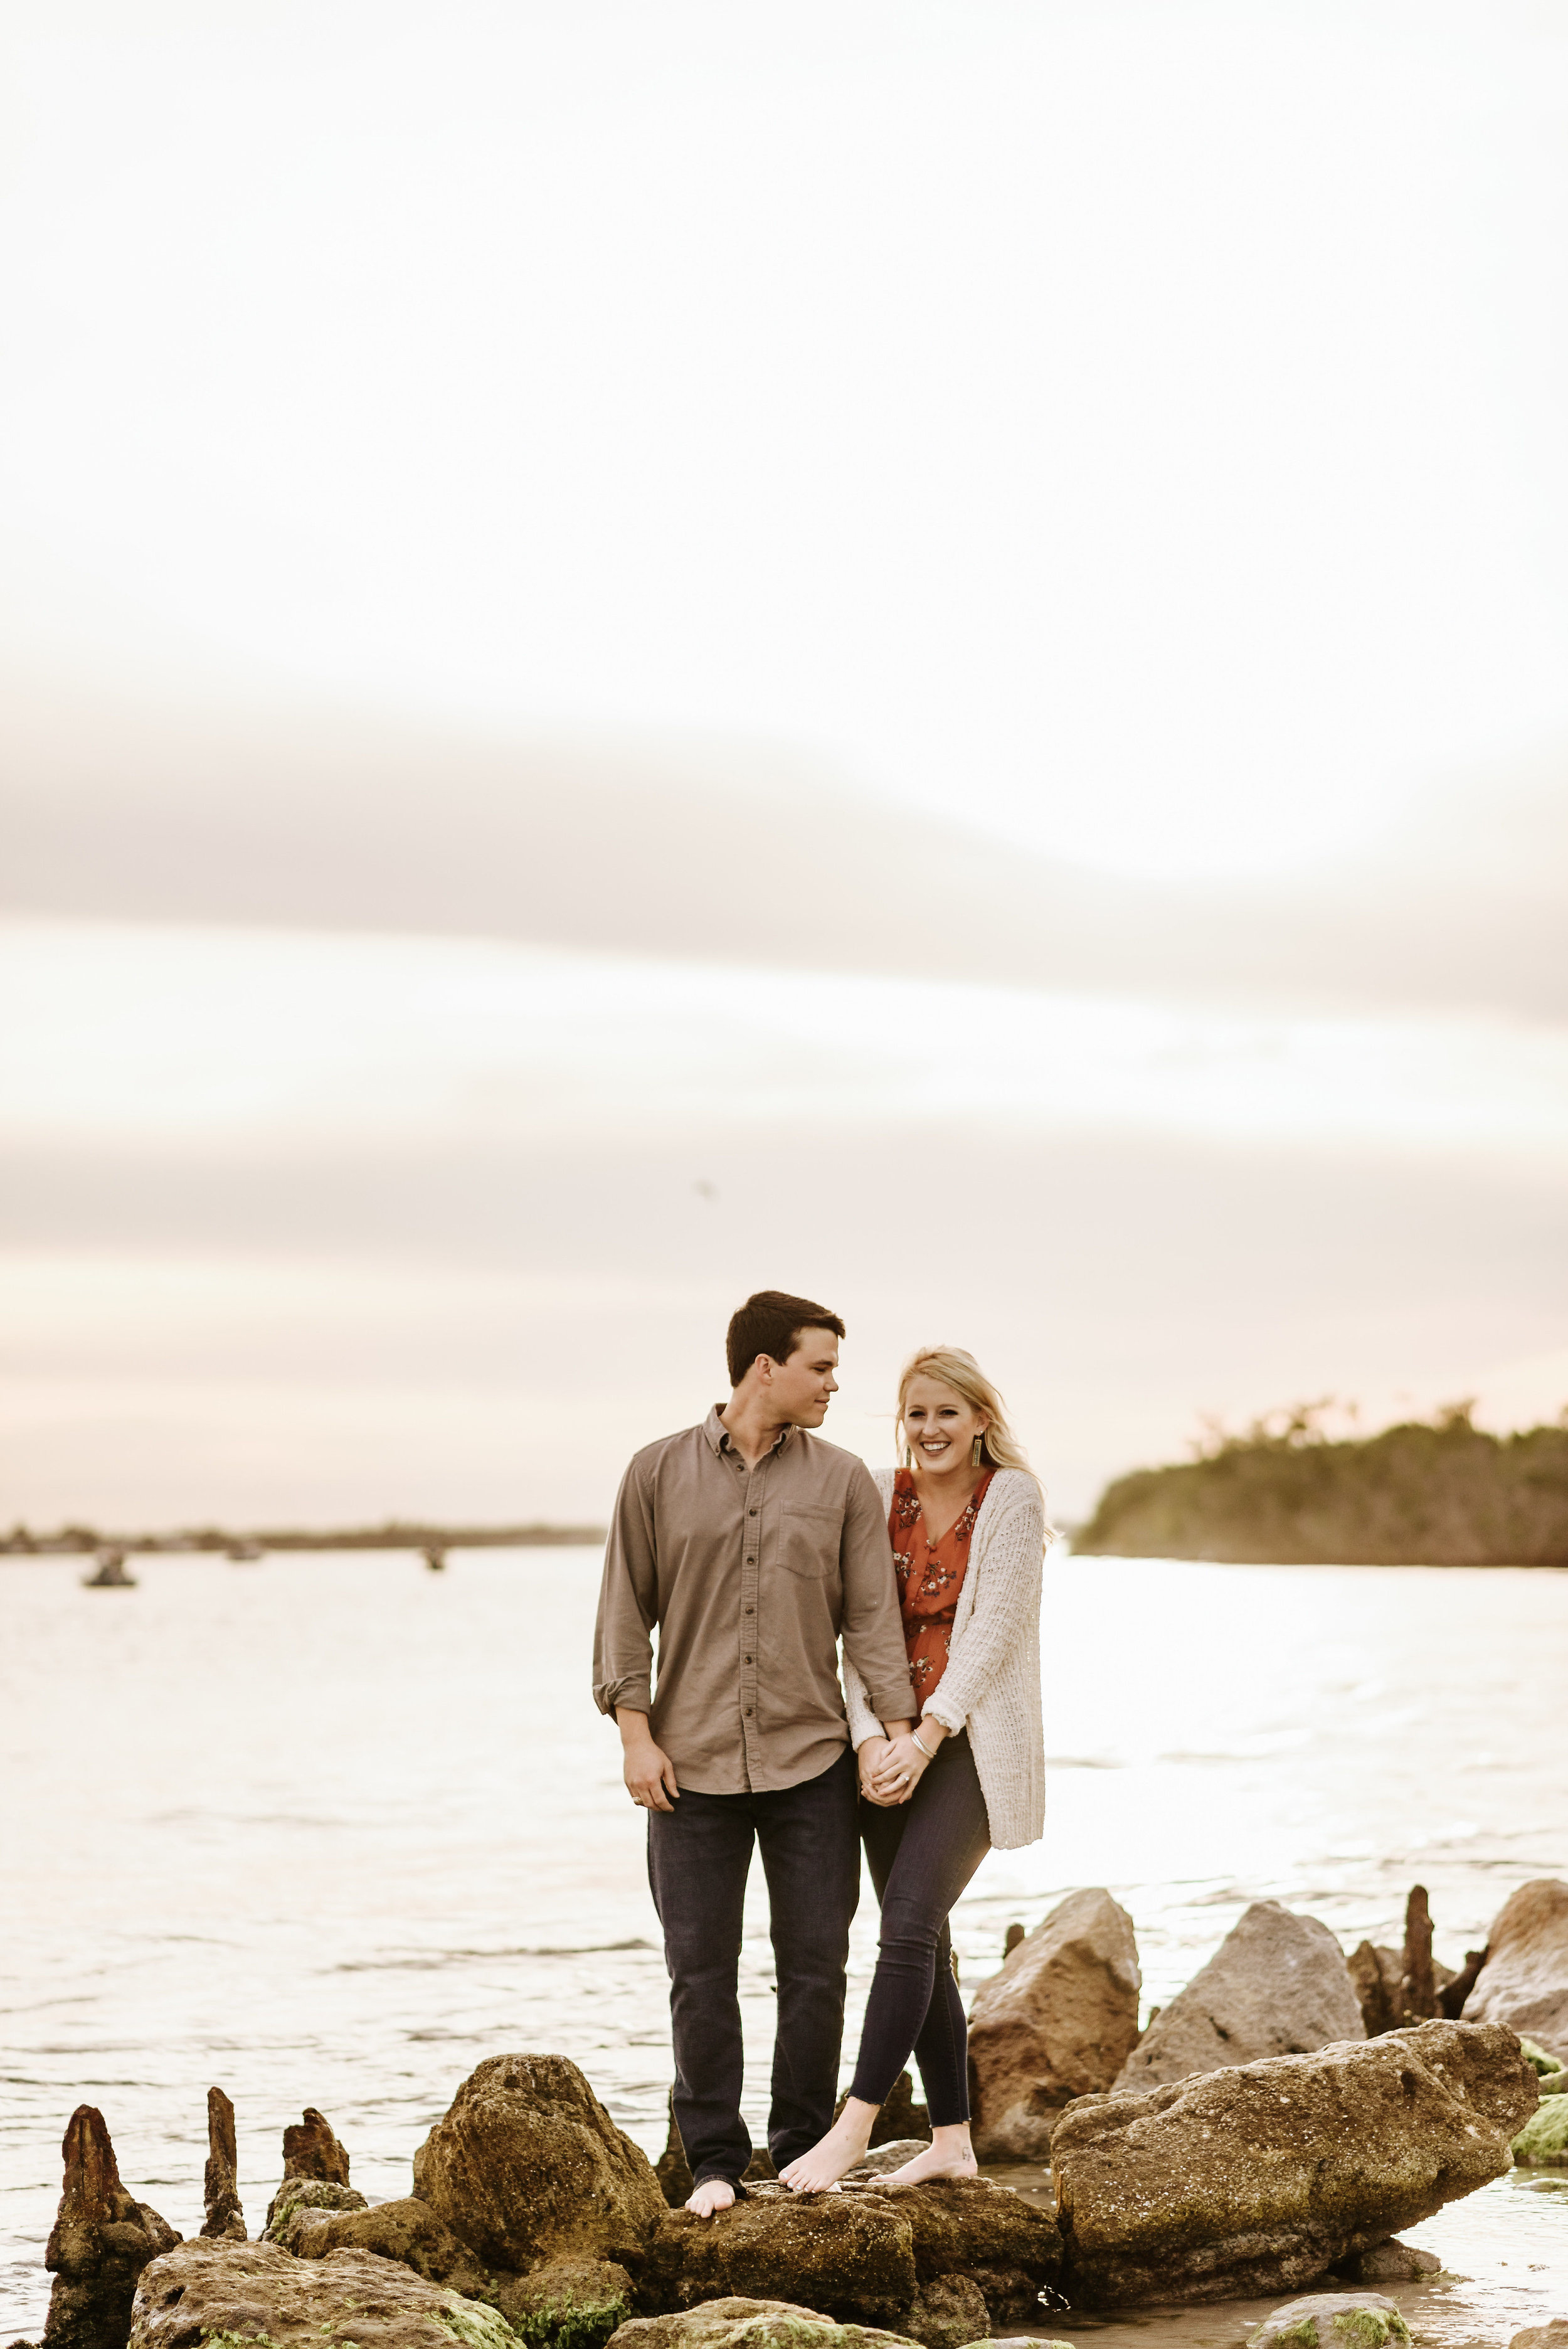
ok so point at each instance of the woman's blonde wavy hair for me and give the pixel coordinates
(1000, 1448)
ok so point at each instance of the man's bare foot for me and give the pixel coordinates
(713, 2195)
(949, 2155)
(843, 2147)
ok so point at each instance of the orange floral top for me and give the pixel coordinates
(929, 1577)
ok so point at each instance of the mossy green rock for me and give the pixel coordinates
(1538, 2059)
(1544, 2137)
(1334, 2320)
(567, 2303)
(737, 2322)
(296, 2194)
(527, 2165)
(223, 2294)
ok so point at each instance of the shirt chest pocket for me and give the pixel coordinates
(808, 1541)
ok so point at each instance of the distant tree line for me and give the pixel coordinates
(395, 1534)
(1285, 1493)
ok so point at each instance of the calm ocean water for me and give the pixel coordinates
(331, 1829)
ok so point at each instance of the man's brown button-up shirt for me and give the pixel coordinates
(752, 1578)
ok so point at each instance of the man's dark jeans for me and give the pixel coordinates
(699, 1858)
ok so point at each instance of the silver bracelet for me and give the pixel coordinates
(914, 1740)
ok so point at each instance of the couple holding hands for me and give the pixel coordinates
(755, 1549)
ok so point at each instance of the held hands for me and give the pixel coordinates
(871, 1758)
(897, 1768)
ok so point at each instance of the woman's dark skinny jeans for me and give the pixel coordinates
(922, 1854)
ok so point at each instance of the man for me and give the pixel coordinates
(753, 1547)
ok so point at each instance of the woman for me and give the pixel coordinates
(967, 1522)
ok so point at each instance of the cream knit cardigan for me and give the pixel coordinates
(992, 1683)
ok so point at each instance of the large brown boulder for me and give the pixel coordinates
(100, 2241)
(1059, 2021)
(1524, 1981)
(1257, 2179)
(224, 2215)
(250, 2292)
(313, 2157)
(1276, 1985)
(741, 2322)
(863, 2253)
(851, 2254)
(527, 2165)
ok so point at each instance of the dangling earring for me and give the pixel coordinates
(908, 1455)
(975, 1449)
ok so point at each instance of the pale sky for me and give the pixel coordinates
(1136, 427)
(911, 650)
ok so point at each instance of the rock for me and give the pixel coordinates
(1377, 1977)
(1456, 1988)
(1276, 1985)
(527, 2165)
(1059, 2021)
(1539, 2061)
(1333, 2320)
(1419, 1983)
(296, 2194)
(219, 2188)
(311, 2149)
(969, 2226)
(1553, 2334)
(1011, 1939)
(1390, 2263)
(247, 2293)
(568, 2303)
(1544, 2137)
(745, 2324)
(948, 2311)
(1553, 2084)
(1524, 1981)
(673, 2170)
(101, 2240)
(861, 2254)
(1259, 2179)
(408, 2230)
(883, 2157)
(851, 2253)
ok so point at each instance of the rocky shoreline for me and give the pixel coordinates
(1275, 2127)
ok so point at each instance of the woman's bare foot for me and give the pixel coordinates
(949, 2155)
(713, 2195)
(843, 2147)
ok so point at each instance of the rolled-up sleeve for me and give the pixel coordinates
(872, 1627)
(628, 1605)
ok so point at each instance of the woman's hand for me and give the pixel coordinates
(871, 1757)
(901, 1766)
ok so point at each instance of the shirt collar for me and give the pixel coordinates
(720, 1440)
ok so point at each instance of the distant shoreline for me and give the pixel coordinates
(212, 1541)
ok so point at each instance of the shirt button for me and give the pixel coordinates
(745, 1659)
(748, 1712)
(751, 1610)
(751, 1513)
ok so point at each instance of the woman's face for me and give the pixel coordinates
(941, 1427)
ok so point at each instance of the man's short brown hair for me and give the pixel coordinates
(770, 1323)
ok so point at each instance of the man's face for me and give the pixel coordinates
(802, 1389)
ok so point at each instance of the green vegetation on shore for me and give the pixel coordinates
(395, 1534)
(1437, 1493)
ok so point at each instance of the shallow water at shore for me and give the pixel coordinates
(331, 1829)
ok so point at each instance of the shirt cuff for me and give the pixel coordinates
(895, 1701)
(634, 1692)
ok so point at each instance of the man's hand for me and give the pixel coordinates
(650, 1774)
(872, 1757)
